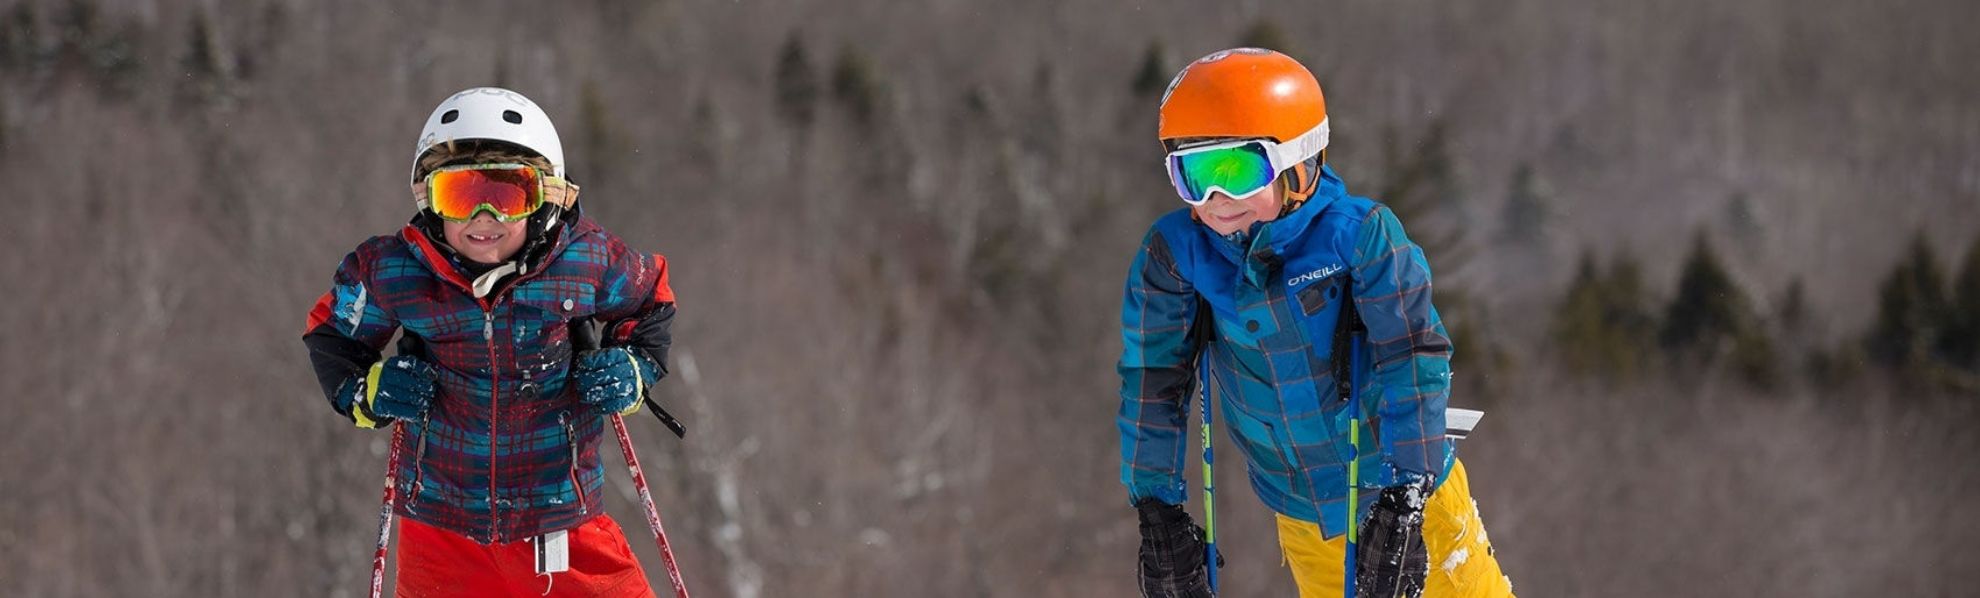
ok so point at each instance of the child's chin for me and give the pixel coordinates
(1226, 229)
(487, 259)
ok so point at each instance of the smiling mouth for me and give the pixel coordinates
(483, 238)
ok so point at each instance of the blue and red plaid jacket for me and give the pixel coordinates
(506, 452)
(1274, 305)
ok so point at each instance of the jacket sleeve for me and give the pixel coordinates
(346, 330)
(1157, 366)
(636, 303)
(1409, 350)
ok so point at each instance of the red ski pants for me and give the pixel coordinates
(435, 562)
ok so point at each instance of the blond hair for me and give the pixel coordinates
(475, 151)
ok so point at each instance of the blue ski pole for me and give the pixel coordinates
(1209, 485)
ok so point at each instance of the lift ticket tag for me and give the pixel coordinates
(553, 552)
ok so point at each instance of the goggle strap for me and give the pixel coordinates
(420, 199)
(559, 192)
(1298, 149)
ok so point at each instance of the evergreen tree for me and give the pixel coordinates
(856, 85)
(1708, 308)
(1529, 208)
(1603, 324)
(20, 37)
(1962, 341)
(262, 45)
(1793, 311)
(77, 25)
(201, 64)
(1152, 77)
(600, 142)
(796, 83)
(1417, 178)
(201, 60)
(1911, 310)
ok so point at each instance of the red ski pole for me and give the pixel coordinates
(385, 512)
(646, 501)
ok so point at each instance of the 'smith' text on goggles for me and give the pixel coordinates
(1240, 168)
(508, 192)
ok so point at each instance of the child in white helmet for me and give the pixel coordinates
(498, 410)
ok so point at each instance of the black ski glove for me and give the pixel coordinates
(1172, 553)
(1390, 560)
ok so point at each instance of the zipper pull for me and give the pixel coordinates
(488, 326)
(570, 435)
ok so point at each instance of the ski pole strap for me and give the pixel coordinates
(584, 337)
(666, 419)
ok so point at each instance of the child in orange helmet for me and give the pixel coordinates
(1306, 313)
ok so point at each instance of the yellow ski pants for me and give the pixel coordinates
(1461, 561)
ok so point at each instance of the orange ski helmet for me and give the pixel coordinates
(1248, 93)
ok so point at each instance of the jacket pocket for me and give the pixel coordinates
(1319, 308)
(541, 312)
(1261, 446)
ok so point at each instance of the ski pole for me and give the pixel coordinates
(385, 512)
(584, 337)
(1209, 487)
(646, 501)
(1354, 460)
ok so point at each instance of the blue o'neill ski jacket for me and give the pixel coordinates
(1274, 306)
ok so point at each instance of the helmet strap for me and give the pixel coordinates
(1299, 182)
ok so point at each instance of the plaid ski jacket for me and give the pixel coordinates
(506, 452)
(1268, 351)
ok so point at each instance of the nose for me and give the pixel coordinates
(484, 217)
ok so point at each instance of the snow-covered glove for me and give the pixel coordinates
(613, 380)
(1171, 553)
(1390, 560)
(397, 387)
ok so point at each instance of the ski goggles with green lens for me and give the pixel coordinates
(1241, 168)
(509, 192)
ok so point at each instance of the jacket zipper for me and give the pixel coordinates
(494, 394)
(1284, 429)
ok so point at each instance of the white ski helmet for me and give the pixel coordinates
(491, 113)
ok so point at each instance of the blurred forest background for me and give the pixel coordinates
(1713, 269)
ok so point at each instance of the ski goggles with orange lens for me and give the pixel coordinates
(1239, 169)
(509, 192)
